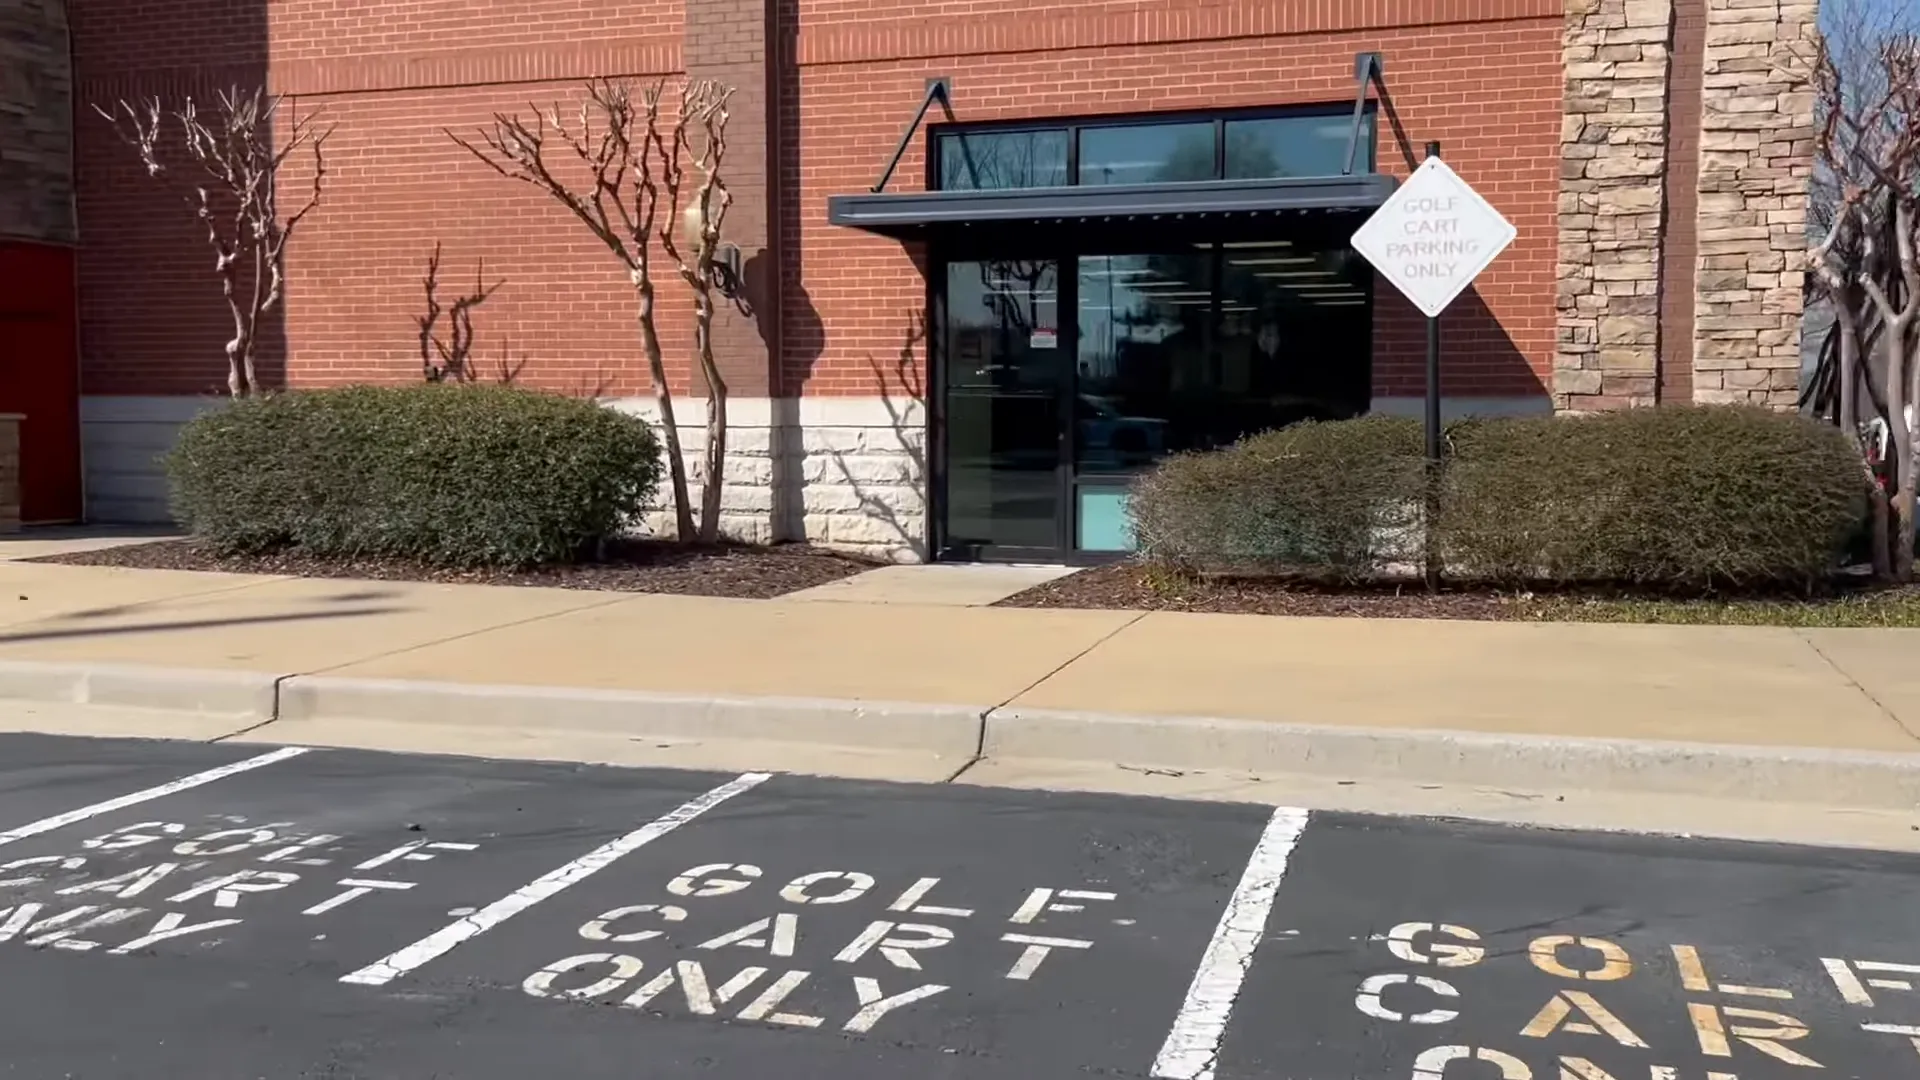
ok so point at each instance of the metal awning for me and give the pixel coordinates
(910, 213)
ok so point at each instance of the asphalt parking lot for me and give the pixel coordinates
(214, 911)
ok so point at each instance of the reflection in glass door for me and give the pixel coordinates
(1003, 367)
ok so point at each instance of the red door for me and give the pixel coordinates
(40, 376)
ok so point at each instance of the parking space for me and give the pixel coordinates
(1044, 932)
(318, 857)
(351, 914)
(45, 776)
(1424, 949)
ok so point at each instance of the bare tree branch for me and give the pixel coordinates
(620, 207)
(239, 163)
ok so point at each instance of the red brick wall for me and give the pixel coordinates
(389, 78)
(1482, 76)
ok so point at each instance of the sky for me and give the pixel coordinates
(1905, 13)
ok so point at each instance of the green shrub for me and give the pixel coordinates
(1692, 497)
(1334, 500)
(448, 475)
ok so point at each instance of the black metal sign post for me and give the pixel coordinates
(1434, 440)
(1431, 239)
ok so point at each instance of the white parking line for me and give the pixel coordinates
(1193, 1046)
(445, 939)
(61, 820)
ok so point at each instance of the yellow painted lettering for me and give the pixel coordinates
(1557, 1015)
(1614, 962)
(1713, 1032)
(1693, 977)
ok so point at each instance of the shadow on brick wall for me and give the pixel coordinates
(1478, 355)
(152, 319)
(801, 336)
(900, 521)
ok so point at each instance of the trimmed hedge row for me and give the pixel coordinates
(1695, 497)
(448, 475)
(1334, 500)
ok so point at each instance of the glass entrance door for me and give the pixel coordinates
(1005, 369)
(1062, 380)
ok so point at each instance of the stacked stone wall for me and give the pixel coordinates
(1612, 191)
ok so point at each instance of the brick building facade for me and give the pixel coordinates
(1653, 155)
(39, 383)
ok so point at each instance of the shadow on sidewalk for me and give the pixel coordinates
(188, 624)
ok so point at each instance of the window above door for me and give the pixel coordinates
(1263, 144)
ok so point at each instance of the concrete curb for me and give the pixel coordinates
(246, 696)
(1519, 762)
(947, 730)
(300, 707)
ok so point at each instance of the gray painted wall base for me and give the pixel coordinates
(122, 441)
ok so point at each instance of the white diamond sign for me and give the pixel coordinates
(1433, 237)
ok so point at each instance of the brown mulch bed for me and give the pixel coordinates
(731, 570)
(1847, 601)
(1132, 587)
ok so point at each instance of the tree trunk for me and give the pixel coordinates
(1903, 376)
(1849, 325)
(1881, 530)
(716, 463)
(1907, 359)
(237, 384)
(1899, 449)
(663, 398)
(255, 307)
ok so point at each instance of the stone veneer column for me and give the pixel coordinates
(1756, 162)
(1612, 187)
(10, 472)
(36, 122)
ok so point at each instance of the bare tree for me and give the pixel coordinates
(237, 200)
(703, 110)
(1867, 267)
(613, 135)
(451, 360)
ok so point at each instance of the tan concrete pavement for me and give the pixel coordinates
(39, 541)
(276, 625)
(1728, 685)
(941, 584)
(1747, 732)
(680, 644)
(1745, 685)
(1885, 664)
(51, 600)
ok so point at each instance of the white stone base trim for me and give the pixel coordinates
(1454, 408)
(847, 473)
(843, 472)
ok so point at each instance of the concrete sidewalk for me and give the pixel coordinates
(1817, 716)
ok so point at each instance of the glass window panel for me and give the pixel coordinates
(1147, 153)
(1000, 160)
(1168, 360)
(1295, 146)
(1295, 334)
(1003, 324)
(1143, 363)
(1103, 521)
